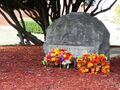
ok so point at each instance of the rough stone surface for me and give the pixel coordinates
(78, 29)
(75, 50)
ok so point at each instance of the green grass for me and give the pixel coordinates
(33, 27)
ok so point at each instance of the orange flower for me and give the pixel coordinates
(108, 70)
(96, 73)
(92, 70)
(103, 70)
(107, 66)
(79, 65)
(89, 65)
(93, 63)
(85, 56)
(97, 68)
(82, 69)
(86, 70)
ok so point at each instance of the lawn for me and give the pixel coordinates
(20, 69)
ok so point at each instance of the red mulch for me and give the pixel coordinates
(20, 69)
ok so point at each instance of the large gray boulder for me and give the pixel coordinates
(78, 29)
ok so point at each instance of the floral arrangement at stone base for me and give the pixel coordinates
(93, 63)
(87, 63)
(58, 56)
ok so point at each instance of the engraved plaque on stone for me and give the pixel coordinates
(75, 50)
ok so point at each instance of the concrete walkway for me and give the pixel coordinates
(8, 36)
(114, 51)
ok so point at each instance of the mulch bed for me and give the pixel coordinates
(20, 69)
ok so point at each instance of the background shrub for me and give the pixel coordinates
(33, 27)
(116, 17)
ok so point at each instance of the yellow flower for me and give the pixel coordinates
(52, 54)
(71, 57)
(95, 72)
(89, 65)
(78, 59)
(56, 50)
(97, 68)
(53, 59)
(108, 70)
(64, 55)
(86, 70)
(79, 65)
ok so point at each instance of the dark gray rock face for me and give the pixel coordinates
(78, 29)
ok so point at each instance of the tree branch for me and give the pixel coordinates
(96, 8)
(89, 5)
(29, 14)
(58, 8)
(103, 4)
(63, 7)
(6, 18)
(101, 11)
(76, 5)
(21, 17)
(68, 6)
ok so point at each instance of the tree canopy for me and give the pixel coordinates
(42, 11)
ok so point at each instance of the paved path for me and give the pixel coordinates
(8, 36)
(115, 51)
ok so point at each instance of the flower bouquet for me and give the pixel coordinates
(58, 56)
(93, 63)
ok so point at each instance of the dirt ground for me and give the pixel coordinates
(20, 69)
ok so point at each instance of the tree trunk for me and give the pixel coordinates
(33, 39)
(21, 38)
(27, 37)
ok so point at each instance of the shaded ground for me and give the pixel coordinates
(20, 69)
